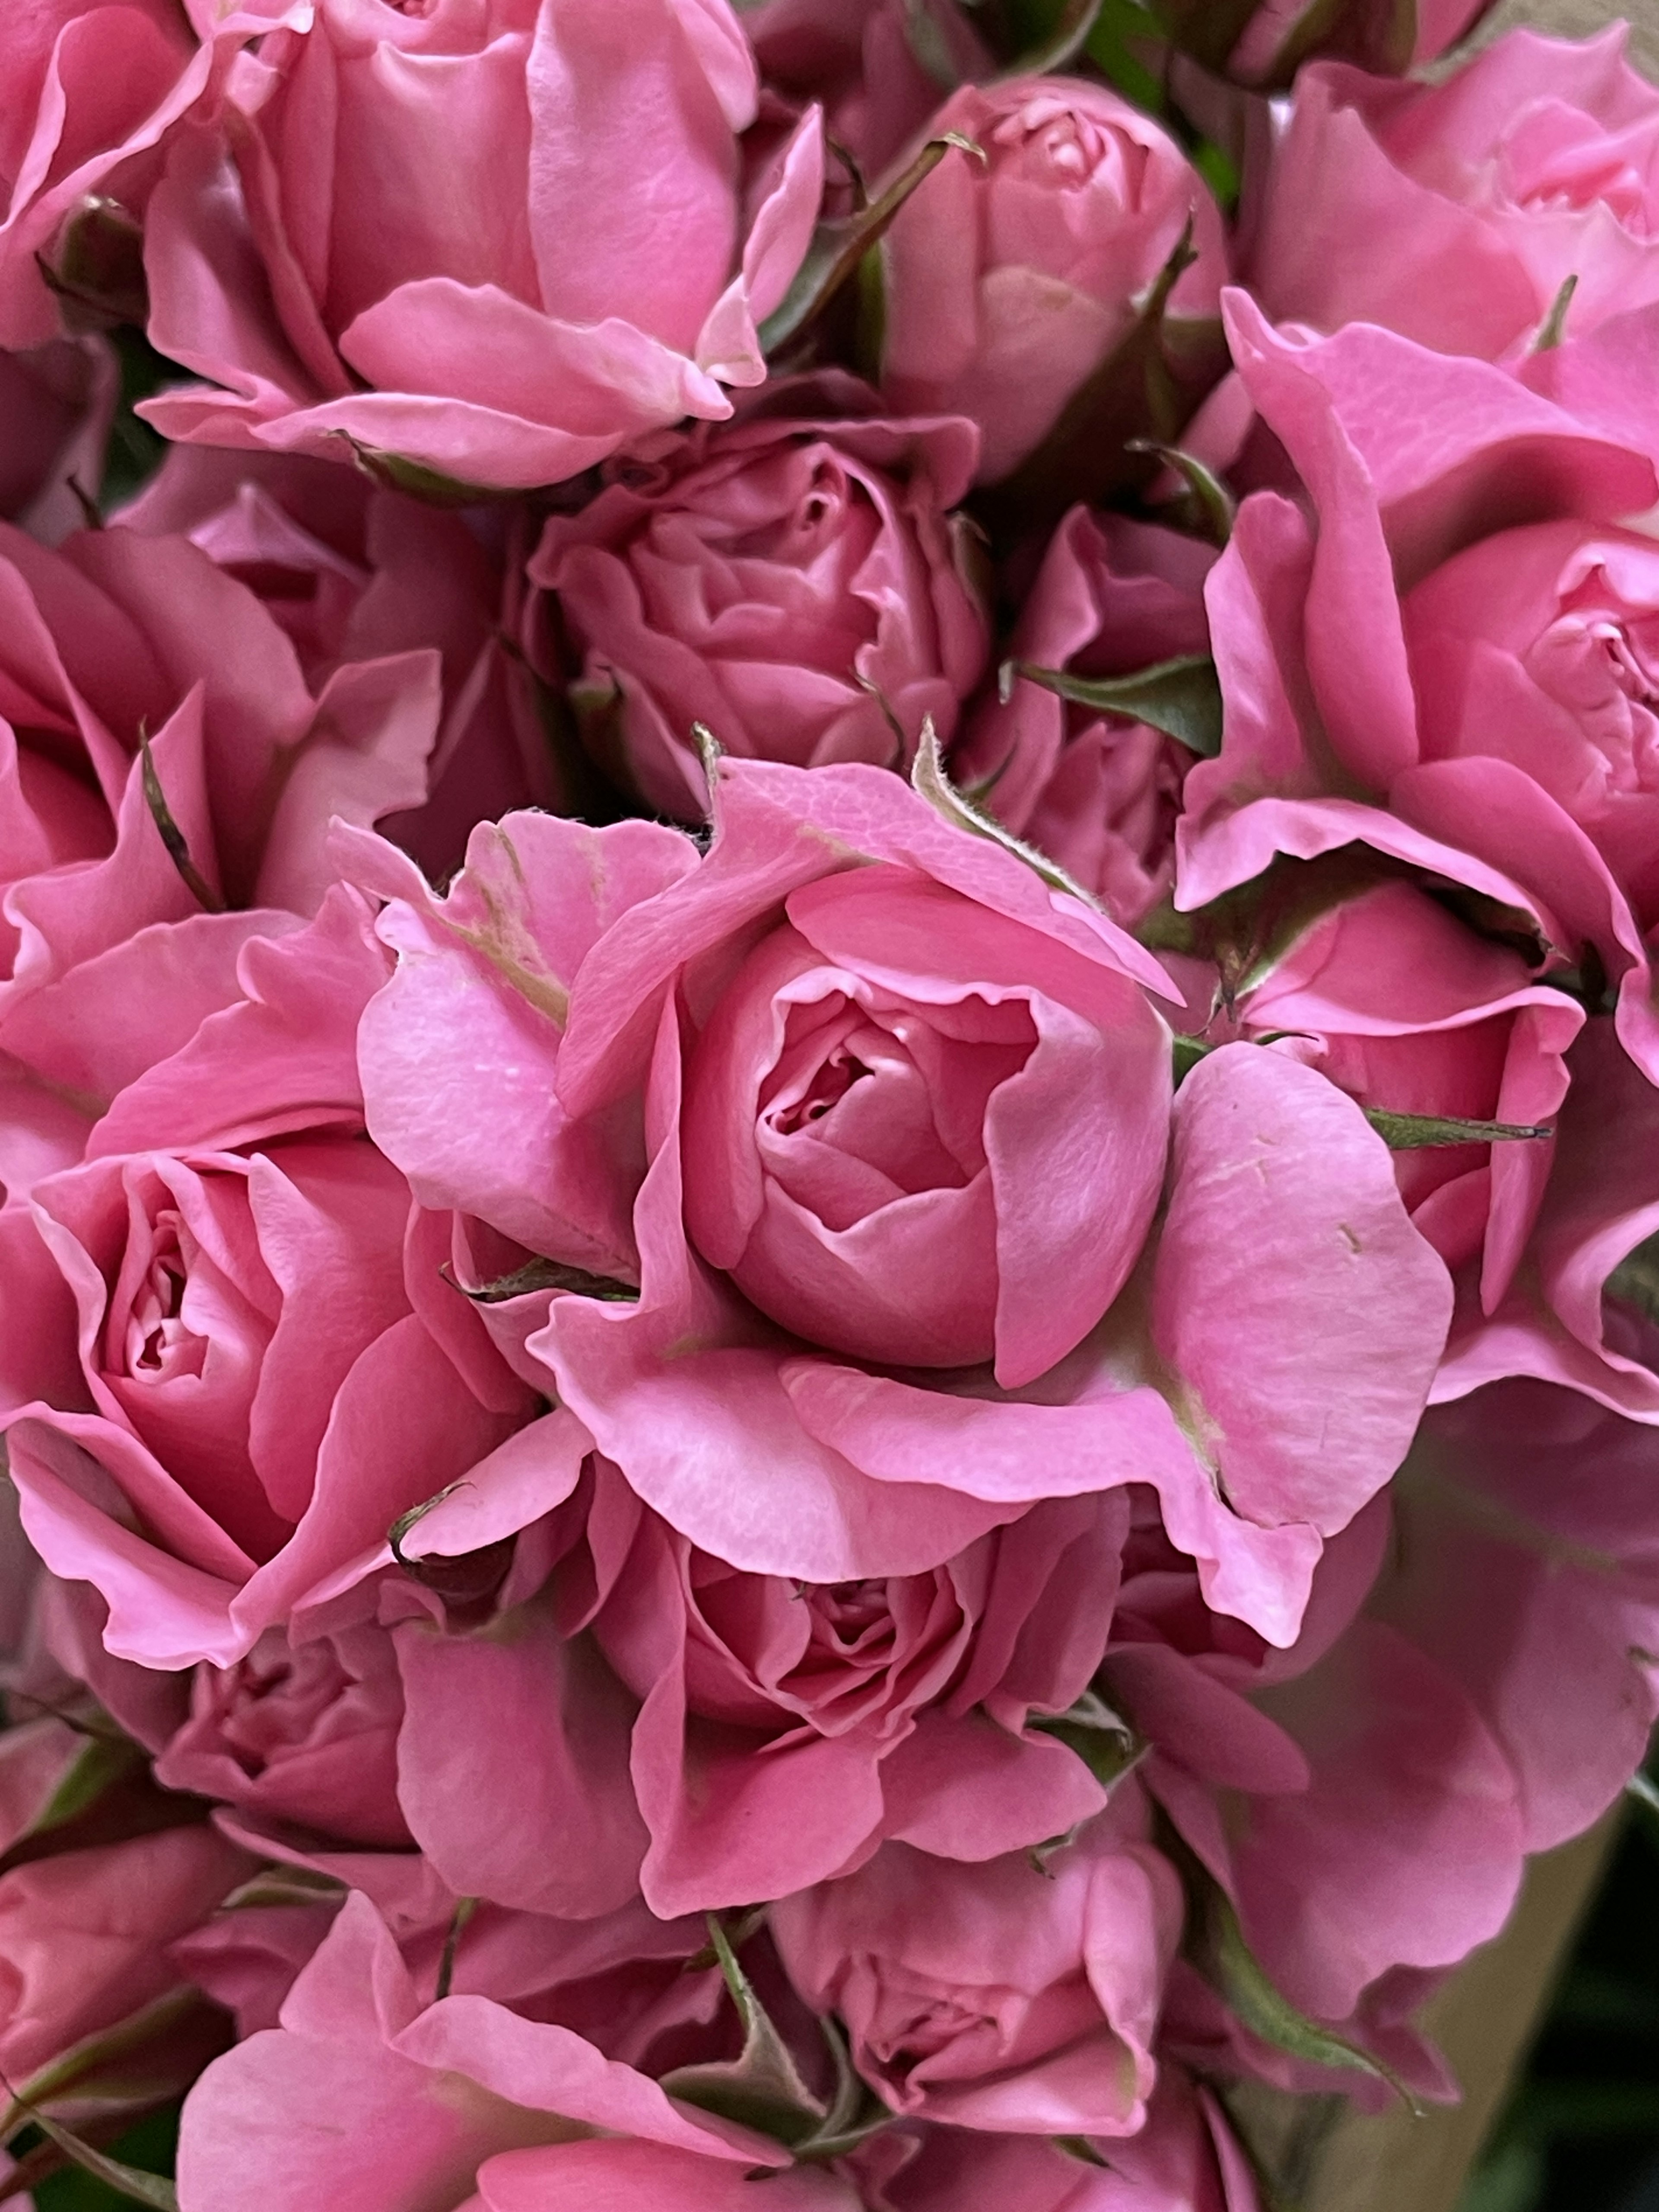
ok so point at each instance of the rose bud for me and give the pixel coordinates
(430, 296)
(302, 1733)
(796, 586)
(1010, 279)
(1003, 1996)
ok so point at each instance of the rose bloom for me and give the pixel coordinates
(777, 1730)
(369, 2099)
(299, 1733)
(1442, 654)
(1099, 793)
(116, 641)
(1002, 1997)
(797, 587)
(877, 1125)
(1455, 212)
(354, 572)
(431, 295)
(231, 1392)
(1010, 280)
(89, 93)
(1409, 1010)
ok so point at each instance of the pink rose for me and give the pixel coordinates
(1409, 1010)
(796, 585)
(90, 92)
(117, 639)
(84, 1936)
(354, 573)
(1099, 793)
(236, 1392)
(429, 298)
(1456, 212)
(304, 1733)
(56, 406)
(784, 1727)
(875, 66)
(1010, 280)
(1441, 655)
(1005, 1996)
(857, 1096)
(1578, 1312)
(368, 2098)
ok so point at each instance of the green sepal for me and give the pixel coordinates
(838, 247)
(761, 2088)
(178, 847)
(1417, 1132)
(1182, 698)
(1106, 1743)
(101, 1763)
(97, 273)
(928, 777)
(1214, 509)
(540, 1274)
(1554, 324)
(129, 2181)
(1216, 1947)
(1144, 390)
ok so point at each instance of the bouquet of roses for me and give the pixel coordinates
(829, 1080)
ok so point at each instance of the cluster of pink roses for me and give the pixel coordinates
(828, 1082)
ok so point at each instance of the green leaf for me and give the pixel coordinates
(927, 776)
(171, 836)
(1416, 1133)
(839, 245)
(761, 2088)
(1181, 697)
(1217, 1948)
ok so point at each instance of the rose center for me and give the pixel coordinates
(827, 1085)
(158, 1338)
